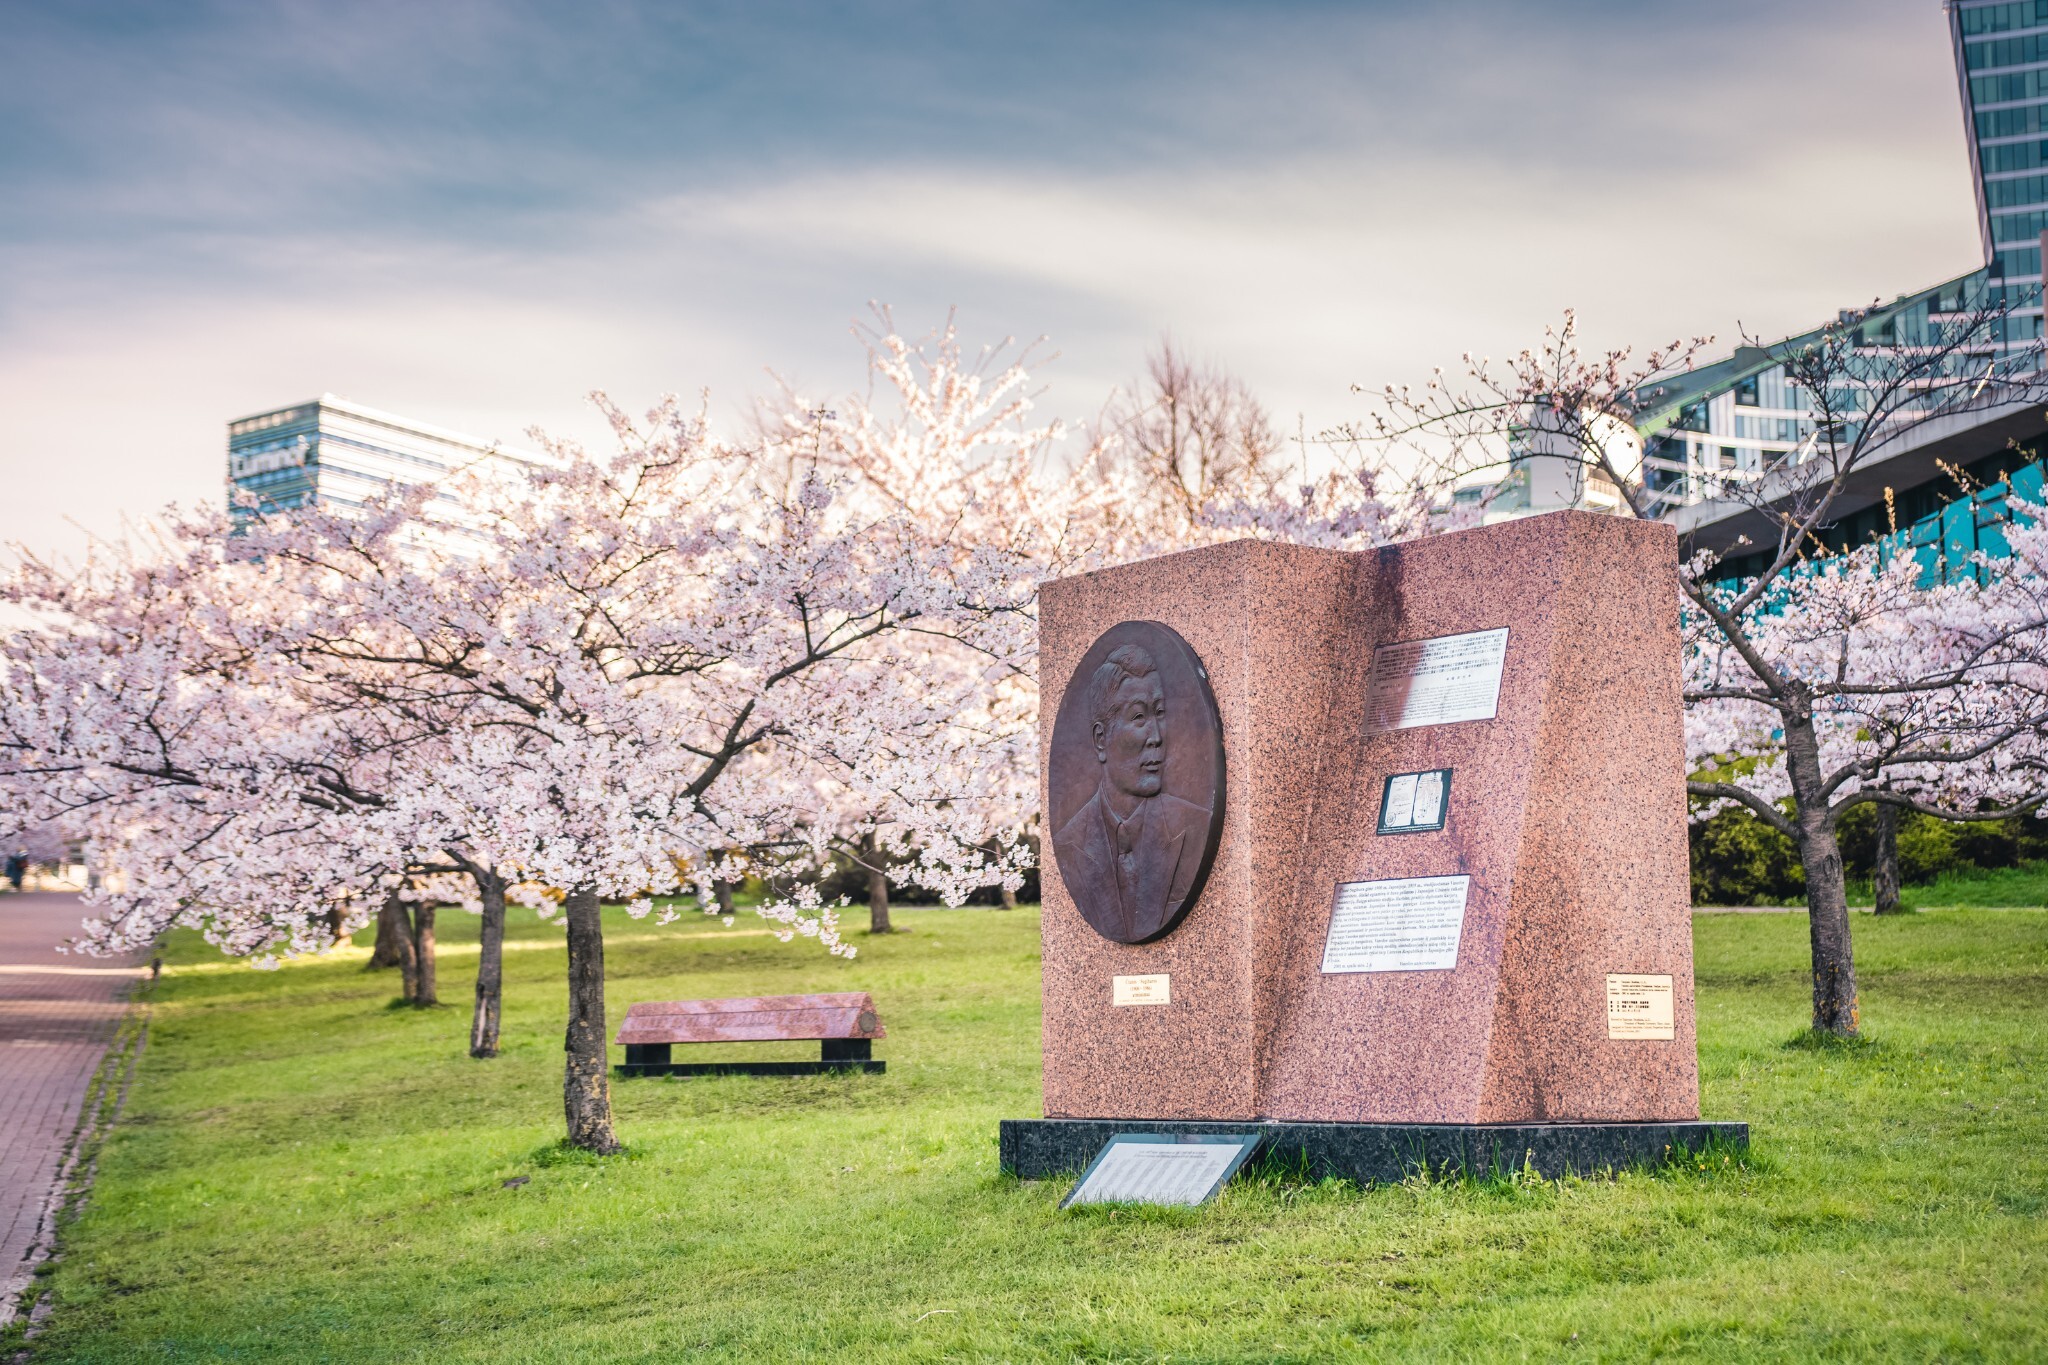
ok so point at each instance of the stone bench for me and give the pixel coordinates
(845, 1024)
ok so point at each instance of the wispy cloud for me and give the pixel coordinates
(475, 212)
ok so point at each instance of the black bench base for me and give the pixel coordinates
(834, 1054)
(1034, 1149)
(625, 1070)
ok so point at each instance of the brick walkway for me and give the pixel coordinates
(57, 1014)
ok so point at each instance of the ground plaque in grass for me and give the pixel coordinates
(302, 1174)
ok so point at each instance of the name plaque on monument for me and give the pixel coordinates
(1639, 1006)
(1436, 682)
(1152, 989)
(1415, 803)
(1408, 924)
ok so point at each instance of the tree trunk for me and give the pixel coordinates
(586, 1090)
(1005, 898)
(723, 891)
(1884, 872)
(426, 988)
(408, 952)
(878, 886)
(387, 952)
(1835, 1007)
(490, 967)
(335, 918)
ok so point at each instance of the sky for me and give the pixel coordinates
(474, 214)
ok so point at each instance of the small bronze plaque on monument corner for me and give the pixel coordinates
(1135, 782)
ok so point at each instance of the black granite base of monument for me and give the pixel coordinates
(1033, 1149)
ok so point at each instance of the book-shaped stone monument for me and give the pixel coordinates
(1385, 850)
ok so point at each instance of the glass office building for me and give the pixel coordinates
(1734, 420)
(336, 453)
(1737, 419)
(2001, 52)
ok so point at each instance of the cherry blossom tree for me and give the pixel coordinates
(240, 791)
(622, 677)
(1879, 690)
(134, 711)
(650, 663)
(948, 437)
(1825, 675)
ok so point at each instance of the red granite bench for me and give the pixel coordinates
(845, 1024)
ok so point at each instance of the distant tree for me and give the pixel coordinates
(1189, 436)
(47, 843)
(1884, 872)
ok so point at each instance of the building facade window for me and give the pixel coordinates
(2022, 51)
(2013, 122)
(2013, 85)
(2018, 227)
(2017, 192)
(2003, 18)
(2018, 261)
(2002, 157)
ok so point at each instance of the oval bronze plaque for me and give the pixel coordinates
(1134, 783)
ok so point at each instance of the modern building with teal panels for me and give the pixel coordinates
(1940, 492)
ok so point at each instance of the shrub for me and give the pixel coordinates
(1739, 860)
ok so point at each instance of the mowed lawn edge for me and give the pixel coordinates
(304, 1173)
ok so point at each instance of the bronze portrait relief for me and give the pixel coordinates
(1135, 782)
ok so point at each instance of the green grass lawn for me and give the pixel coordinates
(1988, 888)
(303, 1173)
(2004, 888)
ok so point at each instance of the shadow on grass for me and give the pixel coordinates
(401, 1003)
(561, 1152)
(1833, 1044)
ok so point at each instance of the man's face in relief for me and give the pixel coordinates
(1133, 743)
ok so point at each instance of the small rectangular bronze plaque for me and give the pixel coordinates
(1141, 990)
(1639, 1006)
(1415, 803)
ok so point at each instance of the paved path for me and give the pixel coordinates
(57, 1014)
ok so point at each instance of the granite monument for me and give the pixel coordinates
(1443, 911)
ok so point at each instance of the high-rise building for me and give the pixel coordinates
(2001, 52)
(335, 452)
(1938, 493)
